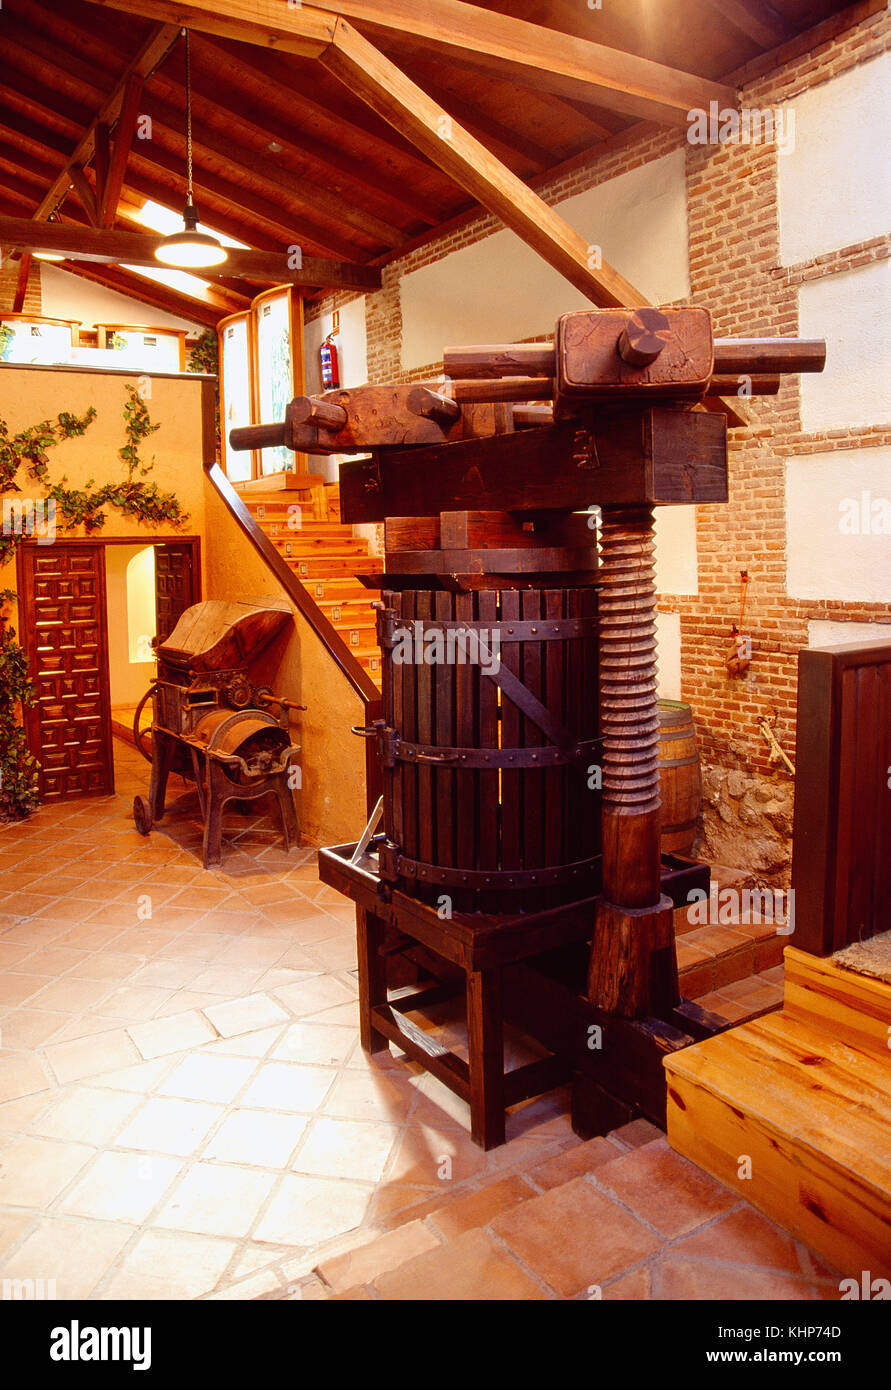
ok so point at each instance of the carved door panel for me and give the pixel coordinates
(64, 632)
(174, 586)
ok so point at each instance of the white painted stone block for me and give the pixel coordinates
(852, 312)
(837, 509)
(677, 570)
(833, 187)
(668, 636)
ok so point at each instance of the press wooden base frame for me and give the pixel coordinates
(524, 970)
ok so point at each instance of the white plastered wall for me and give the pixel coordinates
(67, 296)
(499, 290)
(821, 633)
(834, 545)
(668, 637)
(677, 570)
(852, 311)
(834, 188)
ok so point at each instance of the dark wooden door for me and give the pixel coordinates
(174, 585)
(64, 633)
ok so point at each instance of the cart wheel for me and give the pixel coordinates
(142, 814)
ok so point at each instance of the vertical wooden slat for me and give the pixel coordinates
(426, 676)
(512, 810)
(488, 782)
(409, 731)
(554, 777)
(533, 654)
(466, 677)
(573, 801)
(444, 777)
(391, 711)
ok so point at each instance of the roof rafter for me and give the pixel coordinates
(544, 58)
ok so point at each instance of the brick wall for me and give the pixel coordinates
(734, 270)
(9, 279)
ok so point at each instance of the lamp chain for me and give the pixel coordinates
(189, 197)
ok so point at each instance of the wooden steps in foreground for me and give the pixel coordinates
(805, 1096)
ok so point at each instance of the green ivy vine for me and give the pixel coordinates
(84, 506)
(18, 769)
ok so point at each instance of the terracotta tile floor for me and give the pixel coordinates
(185, 1110)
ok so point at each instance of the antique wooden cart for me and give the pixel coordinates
(211, 724)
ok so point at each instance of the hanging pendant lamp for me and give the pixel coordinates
(190, 249)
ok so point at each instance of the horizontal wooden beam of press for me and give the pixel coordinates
(495, 360)
(94, 244)
(760, 356)
(752, 385)
(519, 388)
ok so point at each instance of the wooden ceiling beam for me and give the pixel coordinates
(757, 19)
(151, 52)
(541, 57)
(123, 140)
(369, 73)
(248, 162)
(507, 142)
(87, 243)
(299, 144)
(85, 194)
(21, 288)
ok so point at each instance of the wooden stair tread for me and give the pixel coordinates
(839, 1105)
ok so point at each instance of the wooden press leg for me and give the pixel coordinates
(372, 977)
(485, 1039)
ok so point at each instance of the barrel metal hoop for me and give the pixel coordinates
(436, 875)
(390, 625)
(492, 758)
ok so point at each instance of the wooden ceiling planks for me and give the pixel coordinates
(248, 97)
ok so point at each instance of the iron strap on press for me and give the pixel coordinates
(392, 749)
(390, 624)
(394, 866)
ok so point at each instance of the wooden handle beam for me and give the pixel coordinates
(258, 436)
(311, 410)
(499, 360)
(759, 356)
(509, 388)
(733, 357)
(756, 385)
(430, 405)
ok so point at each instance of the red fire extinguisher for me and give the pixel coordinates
(329, 365)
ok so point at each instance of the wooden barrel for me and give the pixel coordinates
(681, 781)
(487, 788)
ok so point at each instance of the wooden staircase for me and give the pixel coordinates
(805, 1096)
(326, 557)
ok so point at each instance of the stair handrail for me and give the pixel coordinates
(355, 673)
